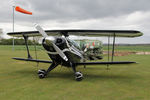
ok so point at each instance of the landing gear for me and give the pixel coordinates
(78, 75)
(42, 73)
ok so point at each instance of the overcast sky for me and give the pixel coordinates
(83, 14)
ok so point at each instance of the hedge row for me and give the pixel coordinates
(16, 42)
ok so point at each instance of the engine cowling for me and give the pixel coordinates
(59, 41)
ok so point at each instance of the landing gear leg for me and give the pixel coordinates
(78, 75)
(42, 73)
(84, 64)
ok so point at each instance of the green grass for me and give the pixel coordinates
(19, 80)
(129, 48)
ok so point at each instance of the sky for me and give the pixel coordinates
(80, 14)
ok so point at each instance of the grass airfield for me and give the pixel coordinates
(19, 79)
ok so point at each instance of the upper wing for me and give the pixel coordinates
(94, 33)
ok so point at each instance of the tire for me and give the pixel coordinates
(78, 76)
(41, 73)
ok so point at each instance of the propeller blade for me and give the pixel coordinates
(41, 31)
(60, 52)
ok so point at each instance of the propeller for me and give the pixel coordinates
(41, 31)
(44, 34)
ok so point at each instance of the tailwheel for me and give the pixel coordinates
(42, 73)
(78, 76)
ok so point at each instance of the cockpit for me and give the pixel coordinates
(72, 42)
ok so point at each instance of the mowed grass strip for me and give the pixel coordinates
(19, 79)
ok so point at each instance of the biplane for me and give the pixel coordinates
(64, 51)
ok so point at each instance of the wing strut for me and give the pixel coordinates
(113, 48)
(26, 42)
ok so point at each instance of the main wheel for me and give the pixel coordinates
(41, 73)
(78, 76)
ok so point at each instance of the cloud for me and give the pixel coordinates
(65, 10)
(85, 14)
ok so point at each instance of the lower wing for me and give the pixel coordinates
(33, 60)
(82, 63)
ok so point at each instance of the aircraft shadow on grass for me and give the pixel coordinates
(88, 76)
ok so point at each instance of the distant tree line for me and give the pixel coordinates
(17, 42)
(146, 44)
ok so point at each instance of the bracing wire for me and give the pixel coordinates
(35, 49)
(108, 51)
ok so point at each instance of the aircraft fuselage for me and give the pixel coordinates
(67, 46)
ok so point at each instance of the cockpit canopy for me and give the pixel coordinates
(72, 42)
